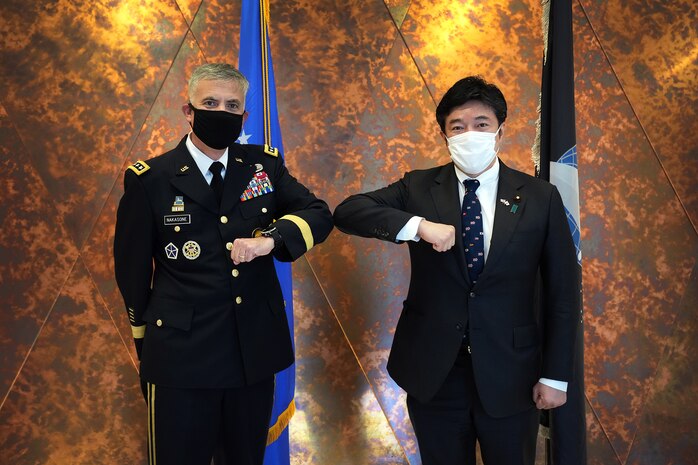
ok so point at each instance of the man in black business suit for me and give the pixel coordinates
(470, 349)
(196, 231)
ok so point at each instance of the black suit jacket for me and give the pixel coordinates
(202, 321)
(512, 345)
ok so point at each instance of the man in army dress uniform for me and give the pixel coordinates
(193, 261)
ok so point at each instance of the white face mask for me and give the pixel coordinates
(473, 151)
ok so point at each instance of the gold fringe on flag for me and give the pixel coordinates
(546, 27)
(545, 19)
(281, 423)
(535, 150)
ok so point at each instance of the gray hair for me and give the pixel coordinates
(217, 72)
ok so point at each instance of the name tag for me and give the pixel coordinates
(171, 220)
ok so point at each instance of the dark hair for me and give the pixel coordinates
(467, 89)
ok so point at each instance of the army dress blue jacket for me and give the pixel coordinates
(199, 320)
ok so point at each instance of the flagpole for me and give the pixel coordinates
(262, 128)
(555, 157)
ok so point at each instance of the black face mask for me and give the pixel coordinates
(217, 129)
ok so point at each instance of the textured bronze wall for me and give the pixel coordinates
(88, 87)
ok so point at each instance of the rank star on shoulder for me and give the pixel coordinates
(244, 138)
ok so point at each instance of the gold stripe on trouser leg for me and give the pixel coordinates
(151, 425)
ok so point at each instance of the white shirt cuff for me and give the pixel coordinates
(409, 231)
(559, 385)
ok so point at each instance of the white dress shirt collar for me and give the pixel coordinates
(203, 162)
(487, 178)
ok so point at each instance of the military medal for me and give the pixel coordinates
(258, 185)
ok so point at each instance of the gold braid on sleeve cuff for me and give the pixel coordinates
(138, 331)
(304, 228)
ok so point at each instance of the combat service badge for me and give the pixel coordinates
(178, 205)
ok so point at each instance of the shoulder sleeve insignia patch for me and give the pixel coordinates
(269, 150)
(139, 167)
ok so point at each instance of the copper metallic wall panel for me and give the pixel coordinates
(653, 48)
(398, 10)
(599, 449)
(91, 71)
(325, 70)
(189, 8)
(639, 248)
(166, 125)
(338, 420)
(36, 252)
(217, 31)
(75, 402)
(667, 430)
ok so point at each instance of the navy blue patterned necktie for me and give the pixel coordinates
(217, 181)
(473, 234)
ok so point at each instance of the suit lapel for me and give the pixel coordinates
(237, 176)
(509, 208)
(446, 199)
(190, 181)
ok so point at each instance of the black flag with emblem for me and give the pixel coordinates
(555, 155)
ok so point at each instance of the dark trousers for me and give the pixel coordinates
(448, 426)
(186, 426)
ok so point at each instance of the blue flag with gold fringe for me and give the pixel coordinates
(555, 155)
(262, 128)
